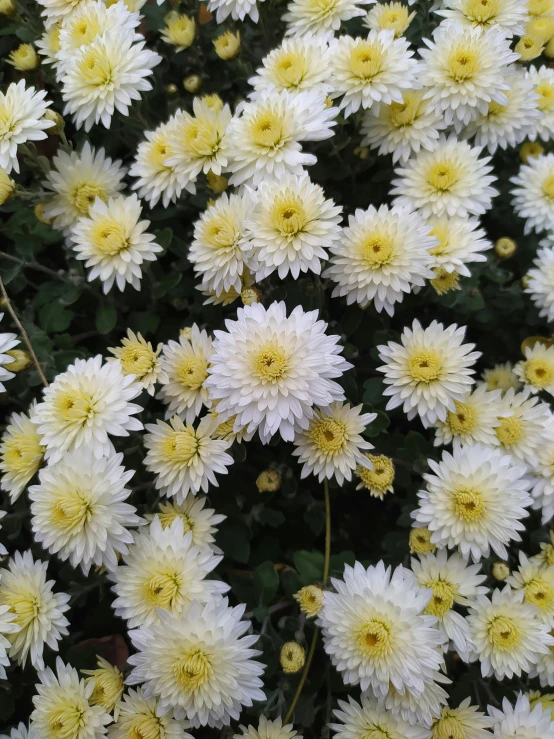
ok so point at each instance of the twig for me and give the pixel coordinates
(45, 270)
(24, 334)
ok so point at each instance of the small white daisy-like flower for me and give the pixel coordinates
(200, 521)
(402, 128)
(464, 69)
(39, 611)
(237, 9)
(534, 195)
(269, 369)
(521, 720)
(422, 710)
(140, 716)
(542, 79)
(465, 721)
(369, 719)
(452, 581)
(183, 458)
(303, 16)
(107, 75)
(22, 112)
(21, 453)
(500, 377)
(522, 426)
(390, 16)
(428, 371)
(474, 500)
(78, 509)
(76, 180)
(137, 357)
(62, 705)
(536, 371)
(291, 225)
(9, 627)
(541, 281)
(376, 632)
(114, 242)
(507, 636)
(366, 72)
(450, 179)
(537, 584)
(510, 15)
(84, 406)
(220, 251)
(163, 569)
(267, 729)
(185, 364)
(7, 342)
(379, 478)
(264, 141)
(461, 241)
(473, 420)
(383, 254)
(332, 446)
(199, 664)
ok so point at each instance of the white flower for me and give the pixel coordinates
(77, 179)
(62, 705)
(220, 251)
(542, 79)
(140, 717)
(534, 194)
(201, 522)
(536, 371)
(392, 16)
(537, 583)
(461, 241)
(522, 425)
(237, 9)
(267, 730)
(450, 179)
(520, 721)
(332, 446)
(465, 721)
(185, 459)
(264, 141)
(7, 626)
(500, 377)
(7, 342)
(473, 420)
(368, 719)
(465, 70)
(78, 509)
(3, 550)
(108, 682)
(542, 473)
(21, 453)
(402, 128)
(383, 254)
(55, 10)
(163, 569)
(84, 406)
(452, 581)
(507, 636)
(199, 664)
(137, 357)
(269, 369)
(105, 76)
(22, 112)
(475, 500)
(39, 611)
(421, 710)
(366, 72)
(541, 281)
(428, 371)
(376, 633)
(509, 15)
(291, 225)
(543, 668)
(303, 16)
(48, 45)
(20, 732)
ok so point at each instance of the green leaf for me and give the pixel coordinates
(53, 317)
(373, 391)
(234, 538)
(164, 237)
(106, 318)
(266, 582)
(379, 424)
(309, 565)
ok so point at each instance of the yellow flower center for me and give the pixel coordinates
(192, 372)
(540, 7)
(146, 727)
(66, 722)
(444, 281)
(509, 431)
(96, 69)
(85, 194)
(442, 599)
(267, 130)
(442, 176)
(109, 237)
(375, 639)
(448, 727)
(539, 372)
(375, 732)
(328, 435)
(495, 110)
(26, 609)
(270, 363)
(322, 8)
(290, 69)
(425, 366)
(366, 60)
(137, 359)
(22, 454)
(545, 91)
(441, 232)
(181, 446)
(420, 541)
(481, 11)
(159, 151)
(288, 216)
(503, 633)
(548, 187)
(381, 477)
(539, 593)
(72, 512)
(162, 589)
(200, 138)
(394, 17)
(74, 408)
(405, 113)
(469, 505)
(377, 249)
(463, 420)
(464, 63)
(83, 31)
(193, 670)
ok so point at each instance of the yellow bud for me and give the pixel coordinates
(179, 31)
(362, 152)
(505, 247)
(310, 599)
(227, 46)
(542, 28)
(171, 89)
(192, 83)
(213, 101)
(529, 150)
(21, 360)
(216, 182)
(292, 657)
(420, 541)
(6, 7)
(108, 685)
(59, 123)
(529, 47)
(39, 214)
(500, 570)
(269, 481)
(525, 282)
(250, 295)
(7, 187)
(186, 332)
(24, 58)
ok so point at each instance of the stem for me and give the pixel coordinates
(24, 334)
(326, 565)
(46, 270)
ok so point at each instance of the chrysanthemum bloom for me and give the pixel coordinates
(55, 10)
(475, 500)
(24, 58)
(376, 633)
(420, 540)
(506, 634)
(39, 611)
(473, 420)
(451, 179)
(140, 717)
(21, 732)
(366, 72)
(291, 225)
(545, 558)
(541, 282)
(270, 370)
(369, 719)
(379, 478)
(163, 569)
(183, 458)
(304, 16)
(137, 357)
(7, 187)
(7, 342)
(452, 581)
(537, 584)
(267, 730)
(331, 446)
(265, 140)
(500, 377)
(21, 453)
(509, 15)
(62, 706)
(546, 700)
(402, 128)
(185, 364)
(521, 720)
(464, 69)
(48, 45)
(84, 406)
(542, 477)
(22, 112)
(543, 668)
(108, 685)
(536, 371)
(7, 626)
(107, 75)
(534, 194)
(179, 31)
(77, 179)
(383, 254)
(465, 721)
(428, 371)
(226, 429)
(391, 16)
(200, 521)
(296, 64)
(421, 710)
(237, 9)
(199, 664)
(461, 241)
(542, 79)
(220, 251)
(310, 599)
(78, 509)
(522, 426)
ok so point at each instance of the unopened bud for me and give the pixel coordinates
(24, 58)
(310, 599)
(192, 83)
(7, 186)
(59, 123)
(227, 46)
(171, 89)
(420, 541)
(500, 571)
(39, 214)
(530, 150)
(217, 183)
(21, 360)
(269, 481)
(505, 248)
(250, 295)
(292, 657)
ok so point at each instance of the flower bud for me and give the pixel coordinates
(420, 541)
(362, 152)
(525, 282)
(227, 46)
(529, 47)
(269, 481)
(500, 571)
(7, 186)
(250, 295)
(39, 214)
(59, 123)
(6, 7)
(444, 281)
(542, 28)
(310, 599)
(179, 30)
(192, 83)
(292, 657)
(529, 150)
(21, 360)
(505, 247)
(171, 89)
(24, 58)
(213, 101)
(186, 332)
(216, 182)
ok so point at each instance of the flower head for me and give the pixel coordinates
(21, 453)
(521, 719)
(179, 31)
(534, 194)
(200, 521)
(537, 584)
(267, 730)
(108, 684)
(321, 15)
(369, 719)
(378, 478)
(140, 716)
(509, 15)
(137, 357)
(390, 16)
(461, 241)
(500, 377)
(465, 721)
(521, 425)
(22, 112)
(536, 371)
(473, 420)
